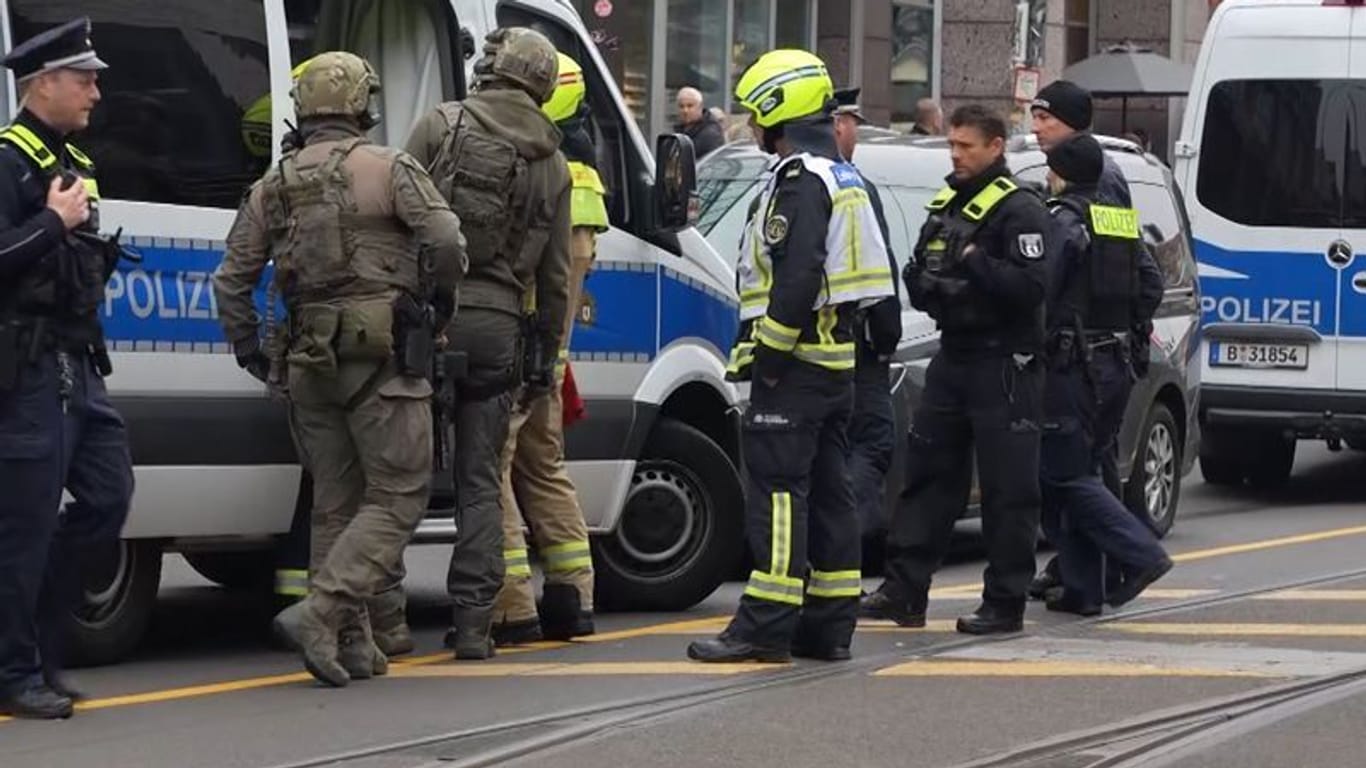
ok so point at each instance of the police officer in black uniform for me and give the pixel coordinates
(872, 427)
(1102, 283)
(978, 270)
(57, 428)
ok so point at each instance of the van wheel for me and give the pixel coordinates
(1221, 457)
(1270, 459)
(1155, 485)
(118, 593)
(681, 531)
(251, 571)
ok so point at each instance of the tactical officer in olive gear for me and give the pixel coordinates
(536, 484)
(978, 270)
(495, 157)
(367, 256)
(1103, 282)
(811, 257)
(57, 428)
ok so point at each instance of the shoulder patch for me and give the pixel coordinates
(775, 229)
(847, 176)
(1031, 245)
(794, 169)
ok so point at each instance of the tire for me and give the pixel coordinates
(1221, 461)
(251, 571)
(1270, 461)
(681, 531)
(117, 598)
(1154, 487)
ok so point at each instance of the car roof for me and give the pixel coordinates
(897, 159)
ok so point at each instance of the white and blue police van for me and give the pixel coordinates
(1272, 161)
(194, 108)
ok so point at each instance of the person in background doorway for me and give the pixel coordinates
(929, 118)
(697, 123)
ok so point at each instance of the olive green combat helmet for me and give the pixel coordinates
(522, 57)
(336, 83)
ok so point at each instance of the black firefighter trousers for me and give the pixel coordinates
(995, 404)
(800, 517)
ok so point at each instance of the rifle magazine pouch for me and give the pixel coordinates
(366, 331)
(315, 335)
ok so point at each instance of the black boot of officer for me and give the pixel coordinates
(979, 271)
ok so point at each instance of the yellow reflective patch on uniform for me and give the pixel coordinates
(942, 199)
(79, 156)
(1112, 221)
(29, 143)
(92, 188)
(990, 197)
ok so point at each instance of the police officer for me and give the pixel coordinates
(496, 158)
(872, 428)
(978, 270)
(57, 428)
(344, 222)
(1061, 110)
(810, 258)
(536, 485)
(1103, 282)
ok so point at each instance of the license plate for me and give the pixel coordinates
(1242, 355)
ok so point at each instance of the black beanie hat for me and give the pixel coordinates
(1078, 159)
(1066, 101)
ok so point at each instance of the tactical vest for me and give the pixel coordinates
(586, 205)
(486, 181)
(1107, 291)
(856, 268)
(946, 236)
(337, 268)
(74, 288)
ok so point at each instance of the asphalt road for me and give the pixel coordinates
(1251, 649)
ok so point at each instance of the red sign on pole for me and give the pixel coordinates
(603, 8)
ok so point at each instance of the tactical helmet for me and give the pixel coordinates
(783, 86)
(569, 91)
(522, 57)
(336, 83)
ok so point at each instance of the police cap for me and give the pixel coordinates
(64, 47)
(846, 103)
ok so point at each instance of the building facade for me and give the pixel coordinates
(897, 51)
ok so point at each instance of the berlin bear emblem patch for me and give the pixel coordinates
(1031, 246)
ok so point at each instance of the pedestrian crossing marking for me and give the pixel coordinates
(956, 668)
(1240, 629)
(583, 669)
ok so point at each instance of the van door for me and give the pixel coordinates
(1267, 201)
(1352, 273)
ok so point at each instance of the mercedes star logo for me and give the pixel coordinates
(1340, 253)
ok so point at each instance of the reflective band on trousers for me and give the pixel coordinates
(835, 584)
(775, 585)
(856, 268)
(516, 562)
(292, 582)
(570, 556)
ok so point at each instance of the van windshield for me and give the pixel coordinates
(1274, 152)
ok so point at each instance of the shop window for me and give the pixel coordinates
(750, 39)
(1077, 29)
(622, 32)
(173, 124)
(792, 24)
(697, 50)
(912, 56)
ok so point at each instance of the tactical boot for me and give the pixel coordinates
(562, 614)
(358, 653)
(284, 627)
(1133, 586)
(516, 632)
(388, 617)
(888, 604)
(313, 630)
(470, 634)
(991, 619)
(726, 649)
(58, 683)
(1070, 602)
(1047, 580)
(37, 702)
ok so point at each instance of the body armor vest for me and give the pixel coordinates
(1107, 289)
(69, 283)
(942, 242)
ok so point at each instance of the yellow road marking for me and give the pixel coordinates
(1254, 546)
(950, 668)
(584, 668)
(1240, 630)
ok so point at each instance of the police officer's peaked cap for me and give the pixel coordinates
(64, 47)
(846, 103)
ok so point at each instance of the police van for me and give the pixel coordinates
(1273, 165)
(194, 108)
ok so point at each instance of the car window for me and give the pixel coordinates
(1161, 226)
(1271, 151)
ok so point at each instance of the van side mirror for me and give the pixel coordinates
(675, 182)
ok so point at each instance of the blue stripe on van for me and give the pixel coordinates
(1269, 287)
(167, 301)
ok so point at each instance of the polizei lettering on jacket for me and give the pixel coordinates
(1232, 309)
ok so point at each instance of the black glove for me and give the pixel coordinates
(251, 359)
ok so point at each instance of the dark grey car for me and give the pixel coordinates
(1160, 434)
